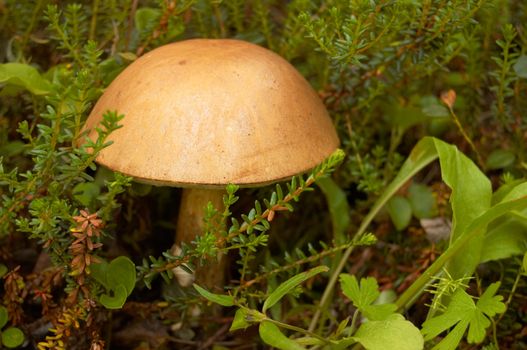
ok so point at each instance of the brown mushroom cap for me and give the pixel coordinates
(213, 112)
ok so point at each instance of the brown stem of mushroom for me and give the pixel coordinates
(191, 224)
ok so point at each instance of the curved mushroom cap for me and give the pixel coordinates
(213, 112)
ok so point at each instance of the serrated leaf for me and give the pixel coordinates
(240, 320)
(224, 300)
(463, 313)
(362, 295)
(271, 335)
(399, 333)
(289, 285)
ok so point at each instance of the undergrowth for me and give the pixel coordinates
(331, 259)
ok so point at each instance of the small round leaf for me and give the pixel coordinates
(12, 337)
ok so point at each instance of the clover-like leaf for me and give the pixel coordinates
(364, 295)
(463, 313)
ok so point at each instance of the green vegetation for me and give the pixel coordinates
(414, 234)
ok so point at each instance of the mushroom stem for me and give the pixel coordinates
(191, 224)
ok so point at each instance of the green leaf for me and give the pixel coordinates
(3, 271)
(504, 239)
(338, 207)
(3, 316)
(470, 198)
(432, 107)
(399, 333)
(146, 19)
(98, 271)
(117, 300)
(86, 192)
(400, 212)
(500, 159)
(525, 263)
(520, 67)
(289, 285)
(240, 320)
(422, 201)
(463, 313)
(224, 300)
(25, 76)
(271, 335)
(12, 337)
(459, 247)
(121, 271)
(364, 296)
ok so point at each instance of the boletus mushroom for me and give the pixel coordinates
(201, 114)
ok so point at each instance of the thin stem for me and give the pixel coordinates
(465, 135)
(300, 330)
(93, 22)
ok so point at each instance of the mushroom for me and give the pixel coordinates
(204, 113)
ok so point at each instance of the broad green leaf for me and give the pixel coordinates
(289, 285)
(504, 239)
(240, 320)
(400, 211)
(470, 198)
(338, 207)
(508, 236)
(99, 272)
(463, 313)
(224, 300)
(459, 247)
(395, 332)
(12, 337)
(501, 193)
(115, 301)
(121, 271)
(3, 316)
(25, 76)
(271, 335)
(520, 67)
(500, 159)
(422, 201)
